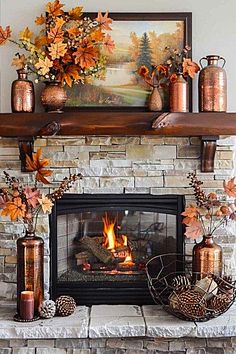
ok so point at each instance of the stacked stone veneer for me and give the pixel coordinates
(143, 164)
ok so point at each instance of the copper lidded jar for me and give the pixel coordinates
(207, 258)
(30, 260)
(179, 94)
(22, 93)
(212, 85)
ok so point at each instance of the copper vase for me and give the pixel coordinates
(207, 258)
(179, 95)
(155, 100)
(30, 260)
(212, 85)
(22, 93)
(53, 97)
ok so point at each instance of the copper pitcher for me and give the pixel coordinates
(212, 85)
(22, 93)
(179, 95)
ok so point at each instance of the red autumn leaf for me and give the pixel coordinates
(194, 230)
(31, 196)
(230, 188)
(4, 34)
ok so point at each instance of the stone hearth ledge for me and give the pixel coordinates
(111, 321)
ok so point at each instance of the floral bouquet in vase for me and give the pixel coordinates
(24, 203)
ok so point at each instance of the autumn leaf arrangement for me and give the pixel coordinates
(211, 211)
(70, 48)
(180, 63)
(24, 203)
(158, 77)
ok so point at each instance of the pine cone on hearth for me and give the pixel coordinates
(47, 309)
(192, 305)
(65, 305)
(181, 283)
(225, 284)
(220, 303)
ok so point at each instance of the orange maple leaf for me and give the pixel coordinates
(4, 34)
(230, 188)
(40, 41)
(194, 230)
(71, 73)
(73, 32)
(190, 68)
(108, 43)
(37, 164)
(56, 33)
(55, 8)
(25, 34)
(40, 20)
(104, 21)
(19, 61)
(76, 13)
(57, 50)
(86, 55)
(190, 212)
(14, 209)
(97, 35)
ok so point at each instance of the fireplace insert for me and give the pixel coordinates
(100, 244)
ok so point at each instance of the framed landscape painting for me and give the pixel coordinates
(140, 38)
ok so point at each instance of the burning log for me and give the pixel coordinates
(84, 257)
(96, 249)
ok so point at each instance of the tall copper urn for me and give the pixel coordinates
(22, 93)
(179, 95)
(30, 259)
(212, 85)
(207, 258)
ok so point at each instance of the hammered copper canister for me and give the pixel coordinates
(207, 258)
(22, 93)
(212, 85)
(179, 95)
(53, 97)
(30, 260)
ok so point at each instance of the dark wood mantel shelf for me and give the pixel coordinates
(208, 126)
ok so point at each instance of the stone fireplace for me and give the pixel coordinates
(100, 244)
(141, 165)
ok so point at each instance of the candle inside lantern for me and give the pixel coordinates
(27, 305)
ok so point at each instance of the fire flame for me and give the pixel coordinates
(110, 239)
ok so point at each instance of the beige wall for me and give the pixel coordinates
(214, 31)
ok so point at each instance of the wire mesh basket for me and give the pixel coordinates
(187, 295)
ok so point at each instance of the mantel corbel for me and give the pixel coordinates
(26, 144)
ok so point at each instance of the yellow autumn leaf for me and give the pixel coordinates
(25, 34)
(44, 65)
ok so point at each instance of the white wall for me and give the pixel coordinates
(214, 31)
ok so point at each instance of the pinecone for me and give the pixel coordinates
(181, 283)
(225, 284)
(192, 305)
(65, 305)
(47, 309)
(220, 303)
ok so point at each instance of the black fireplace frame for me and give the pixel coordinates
(118, 292)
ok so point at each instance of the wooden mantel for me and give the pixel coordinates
(118, 123)
(28, 126)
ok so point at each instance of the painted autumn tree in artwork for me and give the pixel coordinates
(137, 43)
